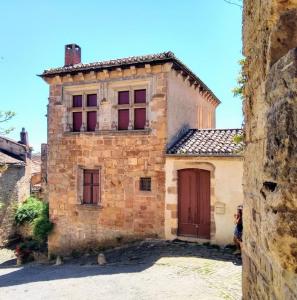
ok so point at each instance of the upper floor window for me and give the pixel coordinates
(84, 112)
(92, 100)
(132, 110)
(77, 101)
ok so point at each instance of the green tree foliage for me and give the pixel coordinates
(36, 213)
(28, 211)
(4, 117)
(238, 91)
(42, 226)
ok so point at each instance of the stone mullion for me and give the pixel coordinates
(69, 121)
(98, 107)
(131, 109)
(84, 113)
(147, 121)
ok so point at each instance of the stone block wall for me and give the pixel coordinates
(43, 167)
(122, 157)
(270, 108)
(14, 188)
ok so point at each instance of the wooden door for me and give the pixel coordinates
(194, 203)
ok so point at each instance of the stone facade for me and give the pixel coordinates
(270, 108)
(15, 183)
(122, 157)
(14, 188)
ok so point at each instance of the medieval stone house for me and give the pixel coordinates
(110, 125)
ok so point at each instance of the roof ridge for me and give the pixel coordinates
(12, 141)
(166, 54)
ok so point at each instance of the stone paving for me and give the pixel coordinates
(146, 270)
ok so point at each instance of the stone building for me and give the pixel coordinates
(204, 168)
(15, 181)
(110, 124)
(270, 169)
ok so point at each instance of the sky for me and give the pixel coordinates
(204, 34)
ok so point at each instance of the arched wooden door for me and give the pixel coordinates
(194, 203)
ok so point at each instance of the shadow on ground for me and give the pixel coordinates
(129, 259)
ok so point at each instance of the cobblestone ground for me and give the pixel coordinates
(147, 270)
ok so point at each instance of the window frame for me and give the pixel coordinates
(84, 109)
(132, 106)
(143, 184)
(82, 200)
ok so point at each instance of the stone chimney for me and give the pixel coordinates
(24, 137)
(72, 55)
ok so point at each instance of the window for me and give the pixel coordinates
(139, 118)
(139, 96)
(91, 187)
(123, 97)
(77, 121)
(145, 184)
(92, 100)
(77, 101)
(91, 120)
(84, 113)
(123, 119)
(132, 113)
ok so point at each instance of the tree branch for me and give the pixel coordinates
(233, 3)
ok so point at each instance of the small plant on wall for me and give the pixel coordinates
(35, 214)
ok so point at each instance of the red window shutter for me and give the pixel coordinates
(77, 121)
(92, 100)
(77, 101)
(139, 96)
(123, 119)
(91, 120)
(139, 118)
(96, 186)
(87, 195)
(123, 97)
(91, 187)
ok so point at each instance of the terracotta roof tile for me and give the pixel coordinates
(207, 142)
(132, 60)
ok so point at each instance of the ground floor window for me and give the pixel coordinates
(91, 187)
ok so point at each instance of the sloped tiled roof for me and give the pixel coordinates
(208, 142)
(13, 141)
(127, 61)
(7, 159)
(36, 163)
(158, 58)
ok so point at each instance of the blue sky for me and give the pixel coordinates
(205, 35)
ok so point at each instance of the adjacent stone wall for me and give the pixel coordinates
(43, 191)
(225, 195)
(14, 188)
(270, 176)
